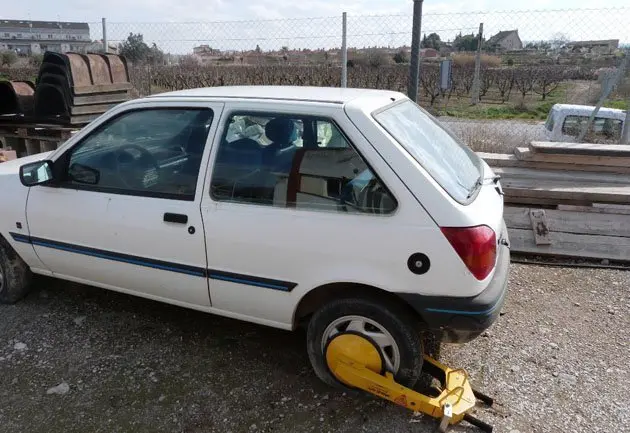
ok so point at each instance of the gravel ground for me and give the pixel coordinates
(80, 359)
(497, 136)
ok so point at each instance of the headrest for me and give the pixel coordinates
(281, 130)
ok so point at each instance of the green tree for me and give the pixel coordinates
(466, 42)
(134, 48)
(431, 41)
(155, 55)
(400, 57)
(36, 60)
(7, 58)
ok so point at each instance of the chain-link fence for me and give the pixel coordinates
(529, 61)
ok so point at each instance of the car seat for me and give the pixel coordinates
(278, 155)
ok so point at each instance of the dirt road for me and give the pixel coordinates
(79, 359)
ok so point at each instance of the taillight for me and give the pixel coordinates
(477, 247)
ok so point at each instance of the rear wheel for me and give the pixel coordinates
(389, 327)
(15, 276)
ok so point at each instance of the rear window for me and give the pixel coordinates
(451, 163)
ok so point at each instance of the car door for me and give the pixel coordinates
(124, 210)
(281, 203)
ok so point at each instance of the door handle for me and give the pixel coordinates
(176, 218)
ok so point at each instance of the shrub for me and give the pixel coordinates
(468, 59)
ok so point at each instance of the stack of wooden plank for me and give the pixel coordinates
(567, 199)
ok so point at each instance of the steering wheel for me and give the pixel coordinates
(136, 166)
(349, 195)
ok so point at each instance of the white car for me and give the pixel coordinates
(352, 211)
(565, 122)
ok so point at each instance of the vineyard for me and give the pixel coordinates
(497, 84)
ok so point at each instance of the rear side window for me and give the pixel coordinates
(602, 129)
(295, 161)
(453, 165)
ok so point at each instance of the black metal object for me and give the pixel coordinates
(74, 89)
(489, 401)
(175, 218)
(478, 423)
(16, 97)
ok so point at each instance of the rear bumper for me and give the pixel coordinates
(460, 320)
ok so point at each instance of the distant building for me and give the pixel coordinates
(35, 37)
(205, 50)
(424, 52)
(428, 52)
(597, 47)
(97, 46)
(508, 40)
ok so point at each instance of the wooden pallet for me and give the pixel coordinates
(569, 200)
(29, 139)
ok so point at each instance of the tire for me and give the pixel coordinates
(394, 319)
(15, 275)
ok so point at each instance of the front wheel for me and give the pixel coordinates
(390, 328)
(15, 275)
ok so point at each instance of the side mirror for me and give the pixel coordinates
(36, 173)
(83, 174)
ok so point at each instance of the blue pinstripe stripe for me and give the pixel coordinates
(157, 264)
(248, 282)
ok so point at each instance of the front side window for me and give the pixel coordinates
(551, 120)
(153, 152)
(296, 161)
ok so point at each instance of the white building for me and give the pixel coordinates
(34, 37)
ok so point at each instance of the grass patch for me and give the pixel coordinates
(501, 112)
(531, 108)
(619, 104)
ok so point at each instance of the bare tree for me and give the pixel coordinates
(488, 77)
(559, 40)
(505, 82)
(463, 76)
(524, 80)
(430, 80)
(546, 80)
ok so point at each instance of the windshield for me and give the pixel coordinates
(453, 165)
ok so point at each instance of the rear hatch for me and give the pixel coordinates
(459, 190)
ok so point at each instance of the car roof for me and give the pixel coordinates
(335, 95)
(574, 108)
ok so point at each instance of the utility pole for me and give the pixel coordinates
(625, 133)
(105, 43)
(344, 50)
(414, 66)
(607, 87)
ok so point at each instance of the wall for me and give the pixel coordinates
(511, 42)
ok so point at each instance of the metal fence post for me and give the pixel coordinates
(476, 82)
(625, 132)
(344, 50)
(606, 90)
(105, 44)
(414, 65)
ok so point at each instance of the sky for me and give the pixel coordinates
(177, 26)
